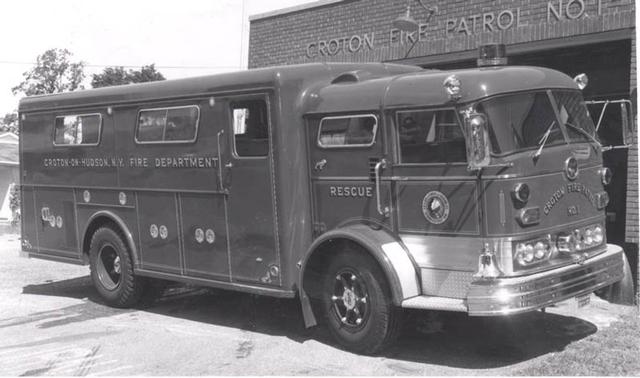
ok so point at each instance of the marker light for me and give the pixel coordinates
(606, 176)
(529, 216)
(521, 192)
(452, 87)
(582, 80)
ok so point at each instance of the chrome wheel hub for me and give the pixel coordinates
(349, 299)
(109, 267)
(116, 265)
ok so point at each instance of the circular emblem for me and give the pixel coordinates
(435, 207)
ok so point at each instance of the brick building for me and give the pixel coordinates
(596, 37)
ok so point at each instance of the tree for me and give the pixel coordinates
(53, 73)
(119, 76)
(9, 122)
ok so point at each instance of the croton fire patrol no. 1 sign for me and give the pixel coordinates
(435, 207)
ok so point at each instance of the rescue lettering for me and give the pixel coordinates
(351, 191)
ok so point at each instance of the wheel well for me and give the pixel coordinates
(91, 229)
(318, 263)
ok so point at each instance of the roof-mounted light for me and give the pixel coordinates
(492, 55)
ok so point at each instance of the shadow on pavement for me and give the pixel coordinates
(440, 338)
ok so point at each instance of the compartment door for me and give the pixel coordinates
(247, 172)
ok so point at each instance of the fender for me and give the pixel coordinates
(123, 227)
(390, 253)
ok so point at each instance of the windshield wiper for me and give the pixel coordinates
(583, 132)
(543, 140)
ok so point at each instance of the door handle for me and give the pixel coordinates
(220, 182)
(228, 165)
(384, 211)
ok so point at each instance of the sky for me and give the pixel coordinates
(183, 38)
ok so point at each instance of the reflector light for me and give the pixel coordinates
(199, 235)
(211, 236)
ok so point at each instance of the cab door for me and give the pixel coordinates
(344, 152)
(247, 177)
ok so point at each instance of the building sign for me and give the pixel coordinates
(467, 25)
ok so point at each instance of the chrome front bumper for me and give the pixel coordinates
(505, 296)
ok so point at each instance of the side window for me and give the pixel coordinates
(347, 131)
(250, 128)
(430, 136)
(77, 130)
(168, 125)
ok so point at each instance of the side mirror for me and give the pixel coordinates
(627, 133)
(477, 139)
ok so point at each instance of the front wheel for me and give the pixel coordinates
(112, 269)
(357, 303)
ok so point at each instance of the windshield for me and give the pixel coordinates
(526, 120)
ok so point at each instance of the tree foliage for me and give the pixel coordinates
(9, 122)
(54, 72)
(119, 76)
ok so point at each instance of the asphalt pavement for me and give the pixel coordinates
(52, 322)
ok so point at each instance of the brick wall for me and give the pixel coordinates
(631, 232)
(283, 39)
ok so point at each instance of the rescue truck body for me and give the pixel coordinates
(362, 189)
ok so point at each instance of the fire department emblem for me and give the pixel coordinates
(435, 207)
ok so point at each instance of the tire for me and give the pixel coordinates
(357, 304)
(621, 292)
(112, 269)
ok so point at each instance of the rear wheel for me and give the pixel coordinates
(357, 303)
(112, 269)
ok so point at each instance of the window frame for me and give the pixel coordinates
(365, 115)
(167, 108)
(232, 134)
(78, 144)
(397, 132)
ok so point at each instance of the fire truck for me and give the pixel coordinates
(361, 189)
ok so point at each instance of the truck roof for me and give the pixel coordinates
(270, 77)
(324, 87)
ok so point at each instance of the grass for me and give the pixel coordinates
(614, 350)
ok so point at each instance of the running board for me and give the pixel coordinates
(435, 303)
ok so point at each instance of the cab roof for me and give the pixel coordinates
(425, 88)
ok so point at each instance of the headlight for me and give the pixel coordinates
(531, 252)
(521, 192)
(580, 239)
(598, 234)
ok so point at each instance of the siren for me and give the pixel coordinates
(492, 55)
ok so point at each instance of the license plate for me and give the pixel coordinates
(583, 300)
